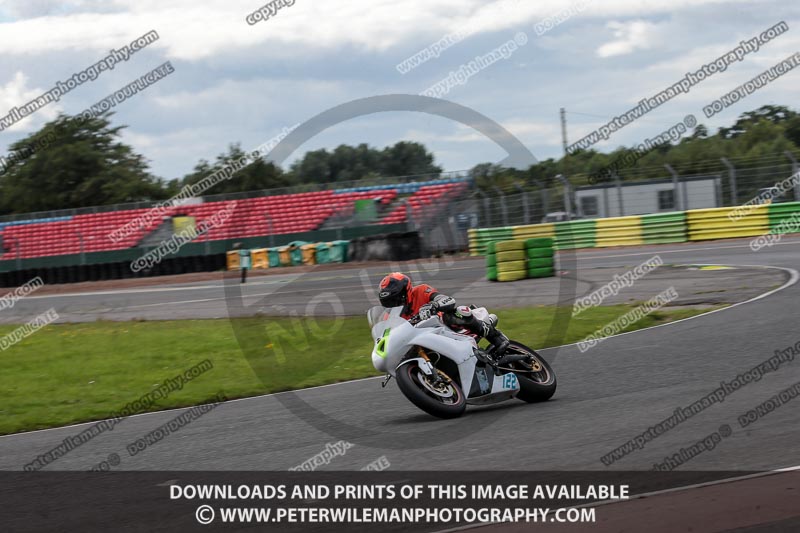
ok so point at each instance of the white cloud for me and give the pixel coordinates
(236, 82)
(629, 36)
(196, 30)
(15, 93)
(535, 132)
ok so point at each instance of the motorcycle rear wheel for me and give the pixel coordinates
(442, 401)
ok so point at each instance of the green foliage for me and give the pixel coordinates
(769, 113)
(756, 136)
(348, 163)
(258, 175)
(76, 163)
(70, 373)
(73, 163)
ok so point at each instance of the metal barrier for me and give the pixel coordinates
(692, 225)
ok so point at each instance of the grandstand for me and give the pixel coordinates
(268, 214)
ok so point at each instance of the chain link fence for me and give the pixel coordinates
(632, 191)
(726, 183)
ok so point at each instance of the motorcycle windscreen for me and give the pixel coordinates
(381, 318)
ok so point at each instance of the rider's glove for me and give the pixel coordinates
(445, 303)
(427, 310)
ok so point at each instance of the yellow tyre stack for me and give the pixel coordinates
(510, 260)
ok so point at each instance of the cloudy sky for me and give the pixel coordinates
(235, 81)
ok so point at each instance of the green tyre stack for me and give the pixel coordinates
(510, 260)
(539, 255)
(491, 262)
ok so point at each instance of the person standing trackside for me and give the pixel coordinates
(244, 260)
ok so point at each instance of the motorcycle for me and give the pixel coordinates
(441, 370)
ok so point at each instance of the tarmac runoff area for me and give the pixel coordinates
(352, 291)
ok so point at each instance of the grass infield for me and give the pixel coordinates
(68, 373)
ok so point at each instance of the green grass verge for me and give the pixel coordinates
(69, 373)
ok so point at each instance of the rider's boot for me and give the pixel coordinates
(495, 337)
(487, 329)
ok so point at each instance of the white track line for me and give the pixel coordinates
(794, 278)
(279, 279)
(645, 495)
(78, 424)
(589, 251)
(589, 256)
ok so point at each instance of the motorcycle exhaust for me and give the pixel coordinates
(512, 358)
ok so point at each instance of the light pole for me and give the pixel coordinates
(503, 208)
(567, 195)
(525, 208)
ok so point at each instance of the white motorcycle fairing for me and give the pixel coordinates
(396, 338)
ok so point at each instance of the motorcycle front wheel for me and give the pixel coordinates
(537, 380)
(443, 399)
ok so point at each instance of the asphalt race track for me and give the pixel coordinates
(605, 396)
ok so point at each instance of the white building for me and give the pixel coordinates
(645, 197)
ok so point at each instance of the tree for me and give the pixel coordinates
(75, 162)
(771, 113)
(348, 163)
(700, 132)
(258, 175)
(407, 158)
(314, 167)
(793, 130)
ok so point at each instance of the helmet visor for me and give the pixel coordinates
(390, 298)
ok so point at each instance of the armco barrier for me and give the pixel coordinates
(531, 232)
(659, 228)
(575, 234)
(710, 224)
(618, 231)
(664, 228)
(786, 212)
(478, 238)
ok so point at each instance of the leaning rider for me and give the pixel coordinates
(396, 290)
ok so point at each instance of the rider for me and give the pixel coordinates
(396, 290)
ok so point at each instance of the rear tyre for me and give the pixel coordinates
(513, 275)
(513, 255)
(541, 272)
(540, 262)
(536, 253)
(509, 246)
(537, 381)
(440, 400)
(510, 266)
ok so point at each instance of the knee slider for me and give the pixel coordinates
(464, 311)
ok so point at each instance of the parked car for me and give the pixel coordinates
(770, 195)
(559, 216)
